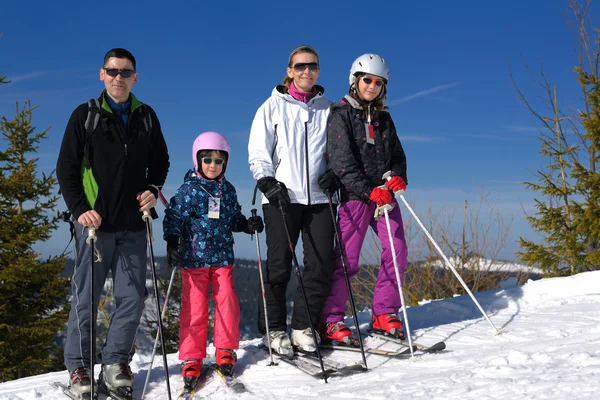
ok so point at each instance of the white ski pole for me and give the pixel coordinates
(264, 296)
(91, 240)
(400, 291)
(387, 176)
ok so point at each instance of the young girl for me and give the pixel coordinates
(287, 155)
(362, 146)
(198, 229)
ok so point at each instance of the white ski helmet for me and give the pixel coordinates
(369, 64)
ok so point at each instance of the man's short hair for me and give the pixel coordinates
(120, 53)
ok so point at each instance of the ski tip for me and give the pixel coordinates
(439, 346)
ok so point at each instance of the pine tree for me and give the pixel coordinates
(33, 296)
(568, 215)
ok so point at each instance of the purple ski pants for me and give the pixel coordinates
(355, 217)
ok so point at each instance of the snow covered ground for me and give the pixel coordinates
(550, 350)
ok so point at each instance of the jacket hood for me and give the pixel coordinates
(347, 100)
(192, 177)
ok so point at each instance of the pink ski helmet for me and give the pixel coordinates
(210, 141)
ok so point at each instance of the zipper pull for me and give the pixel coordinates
(125, 148)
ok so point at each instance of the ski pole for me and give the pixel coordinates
(301, 282)
(449, 264)
(262, 287)
(158, 332)
(400, 291)
(91, 240)
(387, 176)
(148, 219)
(348, 285)
(164, 310)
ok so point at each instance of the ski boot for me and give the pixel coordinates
(303, 340)
(388, 324)
(79, 383)
(116, 380)
(280, 343)
(190, 372)
(337, 332)
(226, 360)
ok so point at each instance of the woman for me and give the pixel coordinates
(287, 156)
(362, 147)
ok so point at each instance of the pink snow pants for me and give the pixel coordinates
(193, 317)
(355, 217)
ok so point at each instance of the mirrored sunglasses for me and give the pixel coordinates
(125, 73)
(300, 67)
(210, 160)
(368, 81)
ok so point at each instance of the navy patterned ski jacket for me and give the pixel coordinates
(208, 242)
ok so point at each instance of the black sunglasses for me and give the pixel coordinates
(209, 160)
(312, 66)
(368, 81)
(125, 73)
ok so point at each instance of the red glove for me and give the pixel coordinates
(381, 196)
(395, 184)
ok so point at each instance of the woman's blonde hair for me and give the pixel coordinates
(300, 49)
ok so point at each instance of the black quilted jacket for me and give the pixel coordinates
(359, 164)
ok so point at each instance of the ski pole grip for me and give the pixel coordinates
(91, 234)
(253, 212)
(146, 216)
(387, 176)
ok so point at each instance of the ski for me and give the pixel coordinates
(402, 354)
(336, 367)
(434, 348)
(309, 363)
(232, 383)
(305, 365)
(128, 393)
(67, 391)
(203, 380)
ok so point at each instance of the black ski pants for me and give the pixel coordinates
(316, 226)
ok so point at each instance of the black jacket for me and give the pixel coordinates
(123, 161)
(360, 165)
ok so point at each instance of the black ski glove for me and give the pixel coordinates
(255, 224)
(329, 182)
(175, 252)
(274, 190)
(249, 225)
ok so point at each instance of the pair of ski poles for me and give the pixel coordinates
(387, 176)
(91, 239)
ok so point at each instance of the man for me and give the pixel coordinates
(112, 159)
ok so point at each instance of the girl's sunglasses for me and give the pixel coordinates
(368, 81)
(125, 73)
(210, 160)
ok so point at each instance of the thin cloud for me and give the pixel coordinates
(523, 128)
(420, 138)
(487, 136)
(424, 93)
(26, 77)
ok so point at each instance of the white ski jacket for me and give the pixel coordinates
(288, 141)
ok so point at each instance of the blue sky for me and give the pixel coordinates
(210, 66)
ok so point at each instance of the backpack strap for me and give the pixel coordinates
(146, 119)
(91, 123)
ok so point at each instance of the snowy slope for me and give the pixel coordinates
(550, 350)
